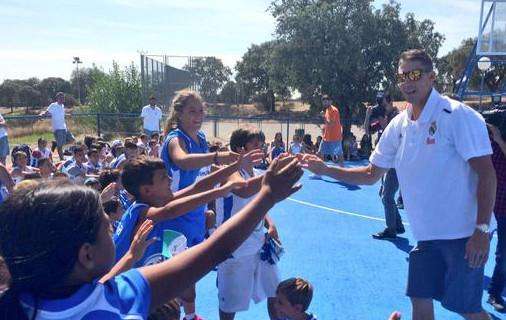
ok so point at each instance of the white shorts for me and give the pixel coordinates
(243, 279)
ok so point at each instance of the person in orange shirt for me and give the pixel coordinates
(332, 133)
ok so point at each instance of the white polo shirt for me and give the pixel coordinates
(57, 112)
(430, 155)
(152, 117)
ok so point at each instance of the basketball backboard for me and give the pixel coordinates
(492, 31)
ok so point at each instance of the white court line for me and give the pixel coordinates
(309, 204)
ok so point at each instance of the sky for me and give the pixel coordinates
(39, 38)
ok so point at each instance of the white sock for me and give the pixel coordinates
(189, 316)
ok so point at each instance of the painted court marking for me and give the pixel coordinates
(353, 214)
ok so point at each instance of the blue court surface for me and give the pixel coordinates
(326, 230)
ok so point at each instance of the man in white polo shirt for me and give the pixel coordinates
(57, 112)
(441, 151)
(151, 115)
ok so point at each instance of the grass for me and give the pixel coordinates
(30, 139)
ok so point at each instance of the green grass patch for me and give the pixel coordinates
(31, 139)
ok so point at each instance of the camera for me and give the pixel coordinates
(496, 116)
(378, 111)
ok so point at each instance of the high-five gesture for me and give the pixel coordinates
(279, 180)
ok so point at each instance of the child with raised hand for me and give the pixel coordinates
(186, 158)
(245, 276)
(54, 274)
(146, 179)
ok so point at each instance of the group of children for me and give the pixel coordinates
(63, 257)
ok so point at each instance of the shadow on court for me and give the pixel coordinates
(401, 244)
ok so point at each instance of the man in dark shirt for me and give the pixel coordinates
(499, 277)
(377, 123)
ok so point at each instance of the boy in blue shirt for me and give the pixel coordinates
(147, 180)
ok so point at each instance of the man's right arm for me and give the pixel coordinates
(366, 175)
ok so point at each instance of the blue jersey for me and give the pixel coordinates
(118, 161)
(125, 233)
(191, 224)
(125, 230)
(126, 296)
(124, 199)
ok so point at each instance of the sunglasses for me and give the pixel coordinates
(413, 75)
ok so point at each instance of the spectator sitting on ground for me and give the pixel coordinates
(46, 168)
(296, 146)
(293, 297)
(308, 144)
(20, 167)
(77, 170)
(93, 166)
(43, 149)
(154, 149)
(277, 146)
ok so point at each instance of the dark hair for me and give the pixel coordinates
(387, 96)
(418, 55)
(130, 145)
(77, 149)
(108, 176)
(143, 135)
(139, 172)
(32, 176)
(155, 135)
(41, 232)
(42, 161)
(110, 206)
(241, 137)
(297, 291)
(40, 140)
(168, 311)
(92, 151)
(307, 139)
(326, 97)
(88, 141)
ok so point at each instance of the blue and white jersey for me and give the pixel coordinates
(118, 161)
(183, 178)
(125, 230)
(126, 296)
(231, 204)
(193, 223)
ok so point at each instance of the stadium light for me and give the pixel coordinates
(77, 61)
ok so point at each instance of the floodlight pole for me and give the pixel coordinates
(77, 61)
(481, 89)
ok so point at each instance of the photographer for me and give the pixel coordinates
(376, 120)
(498, 281)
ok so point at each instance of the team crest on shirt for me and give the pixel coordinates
(432, 132)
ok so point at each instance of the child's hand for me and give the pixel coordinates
(227, 157)
(279, 180)
(234, 185)
(395, 316)
(140, 242)
(250, 159)
(109, 192)
(273, 233)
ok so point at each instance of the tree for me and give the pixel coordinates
(48, 88)
(210, 74)
(8, 94)
(29, 96)
(86, 81)
(453, 64)
(345, 48)
(261, 73)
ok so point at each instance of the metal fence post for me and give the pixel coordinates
(215, 128)
(98, 124)
(287, 130)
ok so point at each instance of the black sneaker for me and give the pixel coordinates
(497, 302)
(400, 229)
(385, 234)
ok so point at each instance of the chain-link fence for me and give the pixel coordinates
(26, 129)
(161, 80)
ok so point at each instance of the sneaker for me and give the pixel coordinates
(315, 177)
(400, 203)
(385, 234)
(497, 302)
(400, 229)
